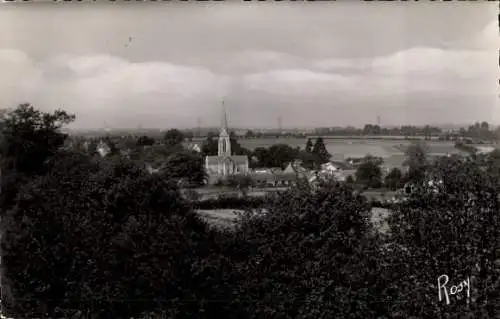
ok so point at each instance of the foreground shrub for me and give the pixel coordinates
(454, 231)
(104, 238)
(231, 202)
(311, 256)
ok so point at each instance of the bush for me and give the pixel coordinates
(369, 173)
(310, 256)
(456, 232)
(394, 180)
(104, 238)
(228, 202)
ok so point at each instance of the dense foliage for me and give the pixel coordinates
(417, 161)
(454, 231)
(394, 179)
(102, 237)
(231, 202)
(173, 137)
(369, 173)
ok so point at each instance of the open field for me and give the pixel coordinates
(391, 150)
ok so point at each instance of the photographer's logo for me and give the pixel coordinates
(460, 289)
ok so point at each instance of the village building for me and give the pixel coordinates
(225, 164)
(194, 147)
(103, 149)
(272, 177)
(297, 168)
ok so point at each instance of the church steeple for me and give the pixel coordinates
(224, 140)
(224, 117)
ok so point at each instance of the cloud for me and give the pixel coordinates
(18, 71)
(433, 61)
(99, 87)
(417, 69)
(105, 88)
(293, 82)
(251, 61)
(339, 65)
(489, 37)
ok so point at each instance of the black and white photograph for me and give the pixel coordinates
(249, 159)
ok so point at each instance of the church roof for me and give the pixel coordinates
(236, 159)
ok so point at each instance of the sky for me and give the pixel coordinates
(163, 65)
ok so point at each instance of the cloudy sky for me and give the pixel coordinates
(314, 63)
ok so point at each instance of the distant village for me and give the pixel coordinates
(222, 166)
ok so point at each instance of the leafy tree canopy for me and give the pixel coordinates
(173, 137)
(30, 137)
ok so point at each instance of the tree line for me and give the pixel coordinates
(478, 130)
(91, 237)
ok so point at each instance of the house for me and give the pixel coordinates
(268, 170)
(194, 147)
(103, 148)
(297, 168)
(273, 179)
(225, 164)
(276, 170)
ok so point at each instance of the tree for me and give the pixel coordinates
(113, 146)
(239, 182)
(349, 180)
(394, 180)
(210, 146)
(288, 271)
(173, 137)
(97, 234)
(309, 146)
(280, 155)
(454, 232)
(308, 160)
(263, 156)
(492, 163)
(369, 173)
(249, 134)
(416, 162)
(187, 166)
(145, 141)
(236, 147)
(30, 137)
(320, 152)
(189, 136)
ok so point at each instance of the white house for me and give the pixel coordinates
(329, 167)
(103, 149)
(194, 147)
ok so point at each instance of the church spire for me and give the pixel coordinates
(224, 140)
(224, 116)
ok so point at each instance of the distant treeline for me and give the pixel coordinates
(478, 131)
(475, 132)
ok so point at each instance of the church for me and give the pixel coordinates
(225, 164)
